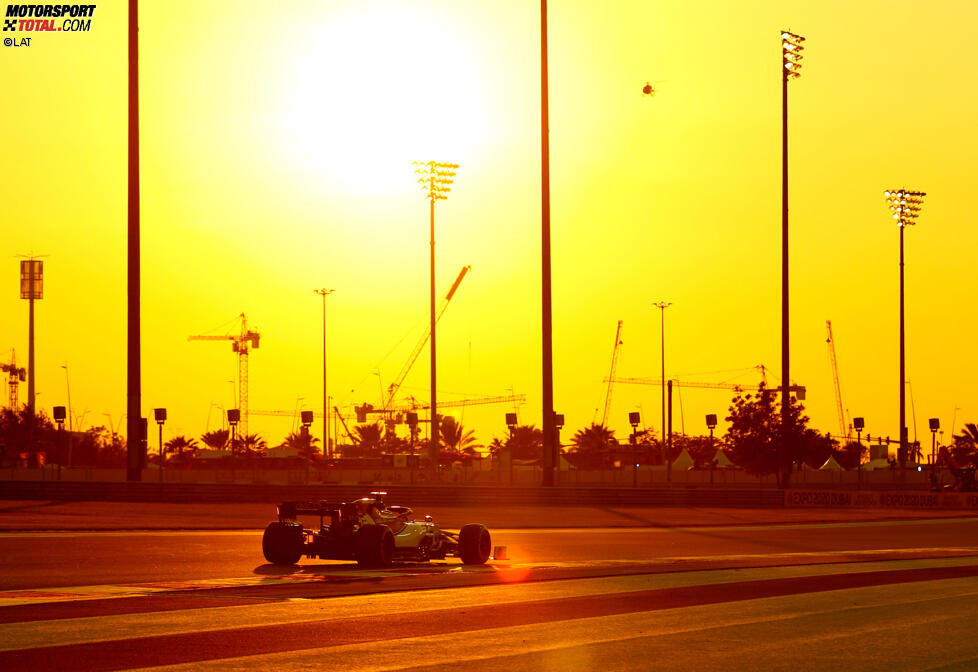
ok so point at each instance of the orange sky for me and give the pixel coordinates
(276, 151)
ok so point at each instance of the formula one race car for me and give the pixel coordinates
(369, 532)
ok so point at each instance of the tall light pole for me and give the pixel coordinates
(329, 448)
(662, 305)
(134, 465)
(905, 206)
(68, 388)
(547, 386)
(436, 180)
(32, 289)
(790, 69)
(59, 418)
(160, 415)
(234, 417)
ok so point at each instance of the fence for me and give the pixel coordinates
(625, 477)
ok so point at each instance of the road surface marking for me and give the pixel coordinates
(162, 623)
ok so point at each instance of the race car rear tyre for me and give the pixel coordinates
(474, 544)
(373, 546)
(282, 543)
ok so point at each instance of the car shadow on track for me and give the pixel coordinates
(355, 571)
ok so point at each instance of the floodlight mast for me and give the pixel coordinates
(436, 180)
(905, 206)
(328, 446)
(790, 69)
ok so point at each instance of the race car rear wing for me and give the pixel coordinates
(288, 511)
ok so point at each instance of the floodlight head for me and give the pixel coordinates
(905, 205)
(435, 178)
(791, 54)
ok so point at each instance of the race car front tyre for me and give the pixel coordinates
(282, 543)
(373, 546)
(474, 544)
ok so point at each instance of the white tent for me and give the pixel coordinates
(831, 465)
(723, 462)
(683, 461)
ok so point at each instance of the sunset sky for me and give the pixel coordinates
(277, 142)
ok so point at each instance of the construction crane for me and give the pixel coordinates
(15, 375)
(476, 401)
(799, 390)
(843, 428)
(611, 377)
(396, 385)
(339, 415)
(315, 414)
(241, 344)
(414, 405)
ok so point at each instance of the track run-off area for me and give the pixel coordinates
(853, 594)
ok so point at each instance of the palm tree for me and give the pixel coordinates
(526, 443)
(216, 440)
(182, 446)
(594, 438)
(965, 448)
(496, 447)
(305, 444)
(456, 438)
(591, 445)
(393, 444)
(369, 438)
(251, 445)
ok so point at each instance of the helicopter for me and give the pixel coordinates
(649, 88)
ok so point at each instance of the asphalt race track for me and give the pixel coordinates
(883, 595)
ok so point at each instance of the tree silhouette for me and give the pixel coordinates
(850, 455)
(111, 447)
(19, 435)
(250, 445)
(496, 446)
(391, 443)
(815, 448)
(754, 436)
(526, 443)
(456, 438)
(591, 446)
(965, 446)
(650, 446)
(216, 440)
(183, 447)
(304, 443)
(369, 438)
